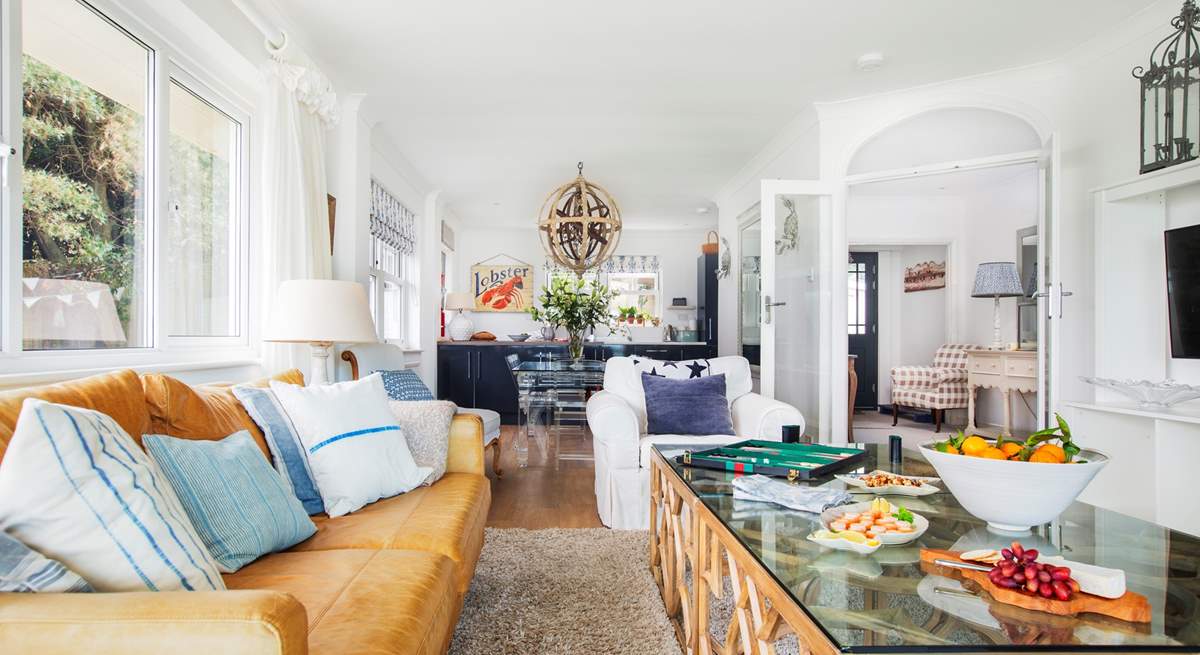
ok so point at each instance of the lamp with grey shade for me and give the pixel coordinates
(997, 280)
(320, 313)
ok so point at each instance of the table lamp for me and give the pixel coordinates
(997, 280)
(320, 313)
(460, 328)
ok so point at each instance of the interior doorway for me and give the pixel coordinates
(862, 325)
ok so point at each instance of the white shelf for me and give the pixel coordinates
(1162, 180)
(1186, 413)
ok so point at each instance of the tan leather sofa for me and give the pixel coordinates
(389, 578)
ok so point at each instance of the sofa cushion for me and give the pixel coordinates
(623, 377)
(491, 422)
(679, 442)
(238, 503)
(76, 488)
(356, 450)
(203, 412)
(287, 451)
(426, 425)
(364, 601)
(446, 518)
(117, 395)
(404, 384)
(23, 569)
(680, 406)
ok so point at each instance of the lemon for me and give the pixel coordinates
(872, 543)
(824, 535)
(853, 537)
(882, 506)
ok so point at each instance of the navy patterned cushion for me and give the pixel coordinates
(404, 384)
(695, 406)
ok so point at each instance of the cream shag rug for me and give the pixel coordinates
(563, 591)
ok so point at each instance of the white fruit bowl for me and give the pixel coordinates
(1013, 496)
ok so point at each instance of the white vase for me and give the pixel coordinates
(460, 328)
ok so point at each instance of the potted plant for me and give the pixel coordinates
(626, 314)
(574, 306)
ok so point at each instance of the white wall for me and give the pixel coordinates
(677, 252)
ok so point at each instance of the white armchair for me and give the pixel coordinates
(617, 418)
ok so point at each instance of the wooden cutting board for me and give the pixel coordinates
(1131, 606)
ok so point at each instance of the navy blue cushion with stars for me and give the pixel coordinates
(682, 370)
(405, 385)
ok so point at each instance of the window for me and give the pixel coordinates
(856, 301)
(201, 225)
(133, 193)
(637, 290)
(85, 243)
(393, 278)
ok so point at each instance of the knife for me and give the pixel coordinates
(955, 564)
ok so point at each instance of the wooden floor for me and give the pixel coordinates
(543, 494)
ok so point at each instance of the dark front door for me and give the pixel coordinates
(862, 325)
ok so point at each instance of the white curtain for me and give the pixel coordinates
(300, 106)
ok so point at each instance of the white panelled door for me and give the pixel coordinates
(799, 345)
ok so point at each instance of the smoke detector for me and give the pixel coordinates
(872, 61)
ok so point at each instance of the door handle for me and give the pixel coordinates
(767, 305)
(1062, 294)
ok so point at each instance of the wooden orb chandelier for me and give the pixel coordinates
(579, 225)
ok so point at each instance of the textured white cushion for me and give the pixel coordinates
(356, 450)
(76, 488)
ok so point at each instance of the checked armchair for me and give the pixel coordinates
(937, 388)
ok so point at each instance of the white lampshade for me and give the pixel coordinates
(460, 300)
(321, 311)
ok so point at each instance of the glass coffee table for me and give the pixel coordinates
(707, 549)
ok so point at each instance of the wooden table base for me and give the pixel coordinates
(686, 537)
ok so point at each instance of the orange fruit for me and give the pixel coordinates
(974, 445)
(1010, 448)
(992, 452)
(951, 450)
(1043, 456)
(1048, 454)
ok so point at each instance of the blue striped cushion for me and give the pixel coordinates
(22, 569)
(239, 505)
(287, 452)
(405, 384)
(77, 489)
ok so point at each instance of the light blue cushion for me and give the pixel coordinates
(238, 503)
(405, 384)
(24, 569)
(287, 453)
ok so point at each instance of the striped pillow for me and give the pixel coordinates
(284, 443)
(76, 488)
(238, 503)
(22, 569)
(405, 384)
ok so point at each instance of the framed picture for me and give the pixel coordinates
(925, 276)
(502, 287)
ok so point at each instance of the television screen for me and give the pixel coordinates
(1183, 290)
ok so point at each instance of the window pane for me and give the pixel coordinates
(202, 228)
(393, 312)
(84, 217)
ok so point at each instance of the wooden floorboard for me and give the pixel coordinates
(546, 493)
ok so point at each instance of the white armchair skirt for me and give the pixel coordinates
(623, 450)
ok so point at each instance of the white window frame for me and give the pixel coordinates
(410, 294)
(164, 352)
(658, 290)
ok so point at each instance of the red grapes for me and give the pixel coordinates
(1020, 570)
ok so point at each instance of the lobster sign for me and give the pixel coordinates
(502, 287)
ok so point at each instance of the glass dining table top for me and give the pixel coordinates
(560, 365)
(886, 602)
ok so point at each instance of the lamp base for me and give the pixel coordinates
(318, 372)
(460, 328)
(996, 343)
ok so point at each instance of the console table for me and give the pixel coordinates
(1003, 370)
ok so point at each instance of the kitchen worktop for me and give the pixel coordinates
(541, 342)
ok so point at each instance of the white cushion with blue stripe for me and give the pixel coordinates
(287, 453)
(77, 489)
(356, 450)
(238, 503)
(23, 569)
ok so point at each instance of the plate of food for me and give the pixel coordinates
(878, 519)
(855, 542)
(882, 482)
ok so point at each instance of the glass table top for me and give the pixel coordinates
(885, 602)
(563, 365)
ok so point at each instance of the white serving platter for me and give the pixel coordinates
(920, 523)
(925, 489)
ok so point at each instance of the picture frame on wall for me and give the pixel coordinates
(925, 276)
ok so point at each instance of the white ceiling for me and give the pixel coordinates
(664, 100)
